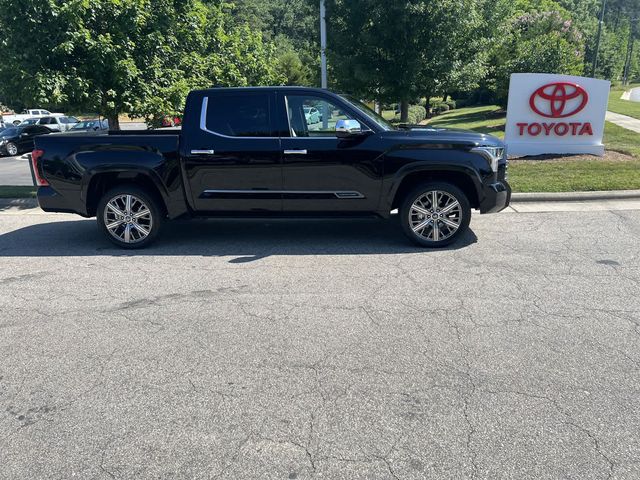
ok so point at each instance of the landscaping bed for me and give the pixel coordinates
(17, 192)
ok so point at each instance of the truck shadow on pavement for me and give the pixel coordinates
(246, 240)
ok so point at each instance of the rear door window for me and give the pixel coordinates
(239, 115)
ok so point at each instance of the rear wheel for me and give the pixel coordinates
(129, 217)
(435, 214)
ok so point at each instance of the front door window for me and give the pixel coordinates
(311, 116)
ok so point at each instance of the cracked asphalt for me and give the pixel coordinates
(322, 349)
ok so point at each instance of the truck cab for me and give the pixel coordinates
(273, 151)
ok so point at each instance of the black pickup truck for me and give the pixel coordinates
(273, 151)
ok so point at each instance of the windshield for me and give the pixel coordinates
(82, 125)
(364, 109)
(9, 132)
(30, 121)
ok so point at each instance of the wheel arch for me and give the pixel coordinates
(460, 178)
(102, 182)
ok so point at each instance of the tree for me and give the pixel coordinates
(124, 56)
(293, 25)
(540, 42)
(391, 51)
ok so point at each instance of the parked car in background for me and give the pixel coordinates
(312, 115)
(18, 139)
(17, 119)
(59, 123)
(169, 121)
(94, 125)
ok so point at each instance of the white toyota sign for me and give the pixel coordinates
(550, 113)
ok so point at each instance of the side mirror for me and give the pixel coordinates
(348, 128)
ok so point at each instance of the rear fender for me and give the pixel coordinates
(124, 169)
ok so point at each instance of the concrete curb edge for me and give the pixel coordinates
(575, 196)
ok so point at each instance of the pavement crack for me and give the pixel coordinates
(568, 422)
(596, 446)
(466, 398)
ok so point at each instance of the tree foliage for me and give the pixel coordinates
(391, 51)
(141, 57)
(541, 42)
(124, 56)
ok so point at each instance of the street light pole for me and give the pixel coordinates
(595, 54)
(629, 56)
(323, 45)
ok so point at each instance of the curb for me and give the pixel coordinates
(575, 196)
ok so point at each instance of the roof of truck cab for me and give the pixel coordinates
(262, 89)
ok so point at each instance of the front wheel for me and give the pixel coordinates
(129, 216)
(12, 149)
(435, 214)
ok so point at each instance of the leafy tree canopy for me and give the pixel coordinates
(125, 56)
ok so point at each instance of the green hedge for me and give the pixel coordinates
(417, 113)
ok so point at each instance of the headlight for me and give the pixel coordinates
(492, 154)
(3, 141)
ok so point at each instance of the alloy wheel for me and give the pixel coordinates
(12, 149)
(128, 218)
(435, 215)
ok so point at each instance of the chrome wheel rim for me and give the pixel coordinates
(12, 149)
(435, 215)
(128, 218)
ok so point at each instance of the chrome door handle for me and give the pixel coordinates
(295, 152)
(202, 152)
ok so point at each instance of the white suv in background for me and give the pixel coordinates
(59, 123)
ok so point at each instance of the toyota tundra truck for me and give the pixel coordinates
(255, 152)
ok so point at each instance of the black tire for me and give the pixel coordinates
(460, 215)
(12, 146)
(139, 198)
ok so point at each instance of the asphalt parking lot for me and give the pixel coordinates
(316, 349)
(15, 171)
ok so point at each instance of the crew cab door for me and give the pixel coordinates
(232, 155)
(321, 172)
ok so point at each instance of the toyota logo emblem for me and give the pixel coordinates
(558, 100)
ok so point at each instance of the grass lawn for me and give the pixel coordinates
(389, 114)
(564, 175)
(625, 107)
(573, 175)
(17, 192)
(484, 119)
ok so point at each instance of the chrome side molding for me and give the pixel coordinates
(295, 152)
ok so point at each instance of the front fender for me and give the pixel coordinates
(400, 164)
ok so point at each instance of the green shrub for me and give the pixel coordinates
(451, 103)
(440, 108)
(417, 113)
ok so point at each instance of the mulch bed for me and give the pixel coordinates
(609, 156)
